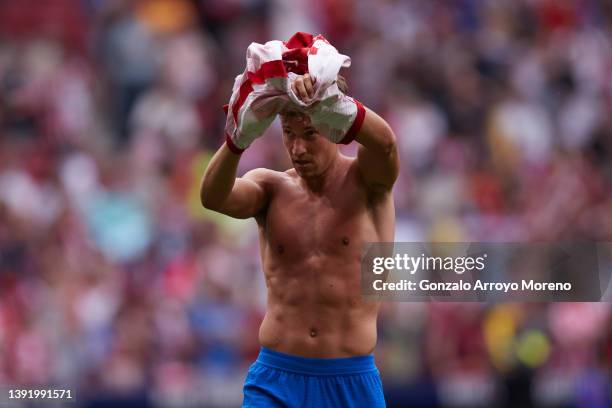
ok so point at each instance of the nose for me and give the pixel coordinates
(298, 147)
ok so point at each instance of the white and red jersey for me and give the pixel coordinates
(264, 89)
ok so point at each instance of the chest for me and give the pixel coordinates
(299, 223)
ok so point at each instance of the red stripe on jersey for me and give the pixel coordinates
(245, 89)
(270, 69)
(356, 126)
(230, 144)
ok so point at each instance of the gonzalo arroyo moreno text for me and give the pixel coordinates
(458, 265)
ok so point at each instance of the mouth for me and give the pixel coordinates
(302, 162)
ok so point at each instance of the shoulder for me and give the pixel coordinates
(268, 179)
(262, 175)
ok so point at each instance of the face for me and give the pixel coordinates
(310, 152)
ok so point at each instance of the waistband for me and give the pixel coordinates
(316, 366)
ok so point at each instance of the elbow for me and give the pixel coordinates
(207, 199)
(206, 202)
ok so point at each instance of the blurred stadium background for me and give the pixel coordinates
(115, 281)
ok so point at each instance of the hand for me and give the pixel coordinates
(333, 113)
(303, 87)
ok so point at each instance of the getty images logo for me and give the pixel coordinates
(411, 264)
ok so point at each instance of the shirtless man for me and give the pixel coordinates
(318, 333)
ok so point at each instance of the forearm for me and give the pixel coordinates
(219, 178)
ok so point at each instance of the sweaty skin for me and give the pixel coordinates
(313, 220)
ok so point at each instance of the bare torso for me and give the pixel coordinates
(311, 250)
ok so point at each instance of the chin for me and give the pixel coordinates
(306, 173)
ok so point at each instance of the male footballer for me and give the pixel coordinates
(318, 333)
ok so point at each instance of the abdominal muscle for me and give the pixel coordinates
(315, 309)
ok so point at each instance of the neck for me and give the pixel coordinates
(316, 184)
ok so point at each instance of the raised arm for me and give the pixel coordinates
(221, 191)
(377, 158)
(254, 104)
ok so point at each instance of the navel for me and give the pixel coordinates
(345, 241)
(280, 249)
(313, 332)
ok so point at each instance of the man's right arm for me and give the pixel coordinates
(221, 191)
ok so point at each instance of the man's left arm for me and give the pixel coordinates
(377, 159)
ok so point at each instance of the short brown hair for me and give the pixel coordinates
(342, 84)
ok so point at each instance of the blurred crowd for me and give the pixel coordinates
(115, 281)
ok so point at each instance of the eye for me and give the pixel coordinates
(310, 134)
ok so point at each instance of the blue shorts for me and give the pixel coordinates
(283, 380)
